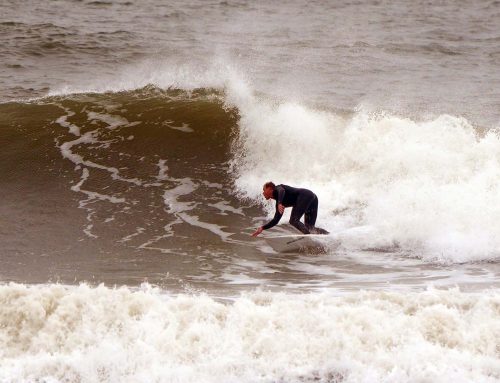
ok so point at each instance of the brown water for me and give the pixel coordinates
(139, 186)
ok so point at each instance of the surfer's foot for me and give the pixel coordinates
(318, 230)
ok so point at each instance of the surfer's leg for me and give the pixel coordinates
(302, 205)
(310, 218)
(311, 214)
(295, 220)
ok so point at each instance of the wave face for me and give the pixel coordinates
(58, 333)
(180, 172)
(115, 174)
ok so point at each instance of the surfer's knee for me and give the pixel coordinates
(295, 222)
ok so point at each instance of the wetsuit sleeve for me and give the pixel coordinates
(280, 194)
(275, 220)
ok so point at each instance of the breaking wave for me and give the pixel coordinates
(425, 188)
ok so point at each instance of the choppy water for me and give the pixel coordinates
(135, 139)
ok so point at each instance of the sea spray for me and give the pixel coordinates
(428, 187)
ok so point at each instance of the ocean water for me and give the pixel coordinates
(135, 138)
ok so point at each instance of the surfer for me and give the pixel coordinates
(303, 202)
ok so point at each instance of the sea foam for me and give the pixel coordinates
(57, 333)
(425, 187)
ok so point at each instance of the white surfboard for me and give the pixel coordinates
(291, 243)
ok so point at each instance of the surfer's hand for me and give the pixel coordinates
(281, 208)
(257, 232)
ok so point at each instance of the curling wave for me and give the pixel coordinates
(424, 188)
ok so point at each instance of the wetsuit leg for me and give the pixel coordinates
(310, 218)
(311, 214)
(304, 200)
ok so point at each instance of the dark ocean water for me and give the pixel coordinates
(135, 138)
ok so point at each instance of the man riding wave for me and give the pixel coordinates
(303, 202)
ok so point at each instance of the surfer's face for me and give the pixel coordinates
(267, 192)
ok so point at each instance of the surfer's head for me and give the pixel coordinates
(268, 190)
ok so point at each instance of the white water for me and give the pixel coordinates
(429, 187)
(57, 333)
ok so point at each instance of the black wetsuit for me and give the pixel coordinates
(304, 202)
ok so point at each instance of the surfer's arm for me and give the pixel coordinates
(275, 220)
(271, 223)
(279, 201)
(277, 216)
